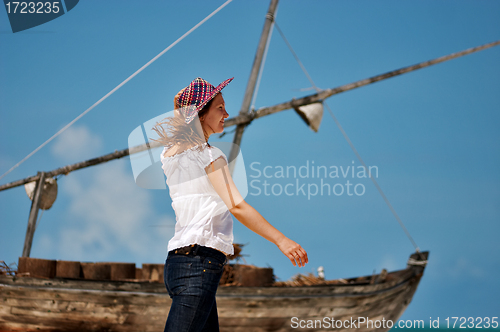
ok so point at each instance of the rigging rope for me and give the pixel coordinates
(117, 87)
(373, 179)
(38, 221)
(349, 141)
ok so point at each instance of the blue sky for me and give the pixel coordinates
(432, 134)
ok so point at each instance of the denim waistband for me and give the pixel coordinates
(197, 250)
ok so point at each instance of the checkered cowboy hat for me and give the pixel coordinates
(190, 100)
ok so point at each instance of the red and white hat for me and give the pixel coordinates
(190, 100)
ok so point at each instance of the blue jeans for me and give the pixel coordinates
(192, 282)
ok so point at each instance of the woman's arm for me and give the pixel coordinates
(252, 219)
(220, 177)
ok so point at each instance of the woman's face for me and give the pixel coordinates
(213, 121)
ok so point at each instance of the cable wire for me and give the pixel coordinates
(349, 142)
(117, 87)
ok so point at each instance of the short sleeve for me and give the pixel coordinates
(211, 154)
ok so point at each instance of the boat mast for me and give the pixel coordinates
(35, 204)
(252, 81)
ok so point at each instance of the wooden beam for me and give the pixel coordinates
(30, 231)
(320, 96)
(245, 119)
(252, 81)
(91, 162)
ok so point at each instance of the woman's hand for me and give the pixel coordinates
(293, 251)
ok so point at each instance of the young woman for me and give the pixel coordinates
(203, 197)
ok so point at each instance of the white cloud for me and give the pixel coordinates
(107, 217)
(111, 218)
(76, 142)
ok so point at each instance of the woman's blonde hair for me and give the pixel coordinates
(174, 130)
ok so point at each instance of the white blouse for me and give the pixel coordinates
(201, 215)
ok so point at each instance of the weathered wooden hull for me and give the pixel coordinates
(35, 304)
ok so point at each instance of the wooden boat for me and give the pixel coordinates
(373, 302)
(367, 303)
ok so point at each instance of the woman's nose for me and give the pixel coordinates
(226, 115)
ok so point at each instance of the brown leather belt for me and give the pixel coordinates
(197, 250)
